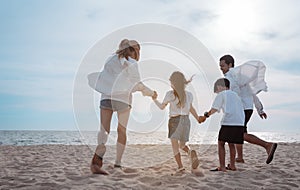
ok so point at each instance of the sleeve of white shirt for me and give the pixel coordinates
(190, 98)
(135, 78)
(167, 97)
(133, 71)
(234, 85)
(258, 105)
(218, 102)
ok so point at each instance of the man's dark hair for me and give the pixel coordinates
(228, 59)
(221, 82)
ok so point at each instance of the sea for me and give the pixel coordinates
(28, 138)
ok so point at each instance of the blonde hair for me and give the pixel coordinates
(179, 82)
(126, 47)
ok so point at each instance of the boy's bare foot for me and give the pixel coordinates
(240, 160)
(219, 169)
(229, 167)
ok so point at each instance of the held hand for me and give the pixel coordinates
(263, 115)
(154, 96)
(201, 119)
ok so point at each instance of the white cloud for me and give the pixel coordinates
(44, 45)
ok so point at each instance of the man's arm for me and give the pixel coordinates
(259, 107)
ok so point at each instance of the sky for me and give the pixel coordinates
(43, 43)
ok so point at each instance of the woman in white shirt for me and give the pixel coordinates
(180, 102)
(116, 83)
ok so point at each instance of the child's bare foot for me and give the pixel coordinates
(240, 160)
(230, 167)
(218, 169)
(197, 172)
(194, 159)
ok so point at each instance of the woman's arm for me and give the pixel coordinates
(144, 89)
(160, 105)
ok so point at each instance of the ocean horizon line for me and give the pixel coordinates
(131, 131)
(36, 137)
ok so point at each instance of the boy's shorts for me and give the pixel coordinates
(231, 134)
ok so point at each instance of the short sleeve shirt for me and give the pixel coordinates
(230, 104)
(175, 110)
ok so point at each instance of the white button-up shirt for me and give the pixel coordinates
(118, 80)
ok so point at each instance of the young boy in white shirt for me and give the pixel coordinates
(232, 123)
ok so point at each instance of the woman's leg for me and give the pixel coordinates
(175, 147)
(105, 115)
(105, 118)
(123, 117)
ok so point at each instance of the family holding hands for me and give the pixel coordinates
(120, 78)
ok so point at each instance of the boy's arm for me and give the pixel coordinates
(210, 112)
(206, 115)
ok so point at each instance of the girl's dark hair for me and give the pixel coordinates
(221, 82)
(228, 59)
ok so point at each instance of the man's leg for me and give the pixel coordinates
(269, 147)
(239, 147)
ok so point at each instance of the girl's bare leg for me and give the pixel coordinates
(175, 146)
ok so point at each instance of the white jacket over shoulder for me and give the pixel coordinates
(247, 80)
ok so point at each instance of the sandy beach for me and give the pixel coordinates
(145, 167)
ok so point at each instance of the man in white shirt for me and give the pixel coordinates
(248, 99)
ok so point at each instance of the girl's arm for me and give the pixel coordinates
(194, 112)
(160, 105)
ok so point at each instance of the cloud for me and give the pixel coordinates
(43, 44)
